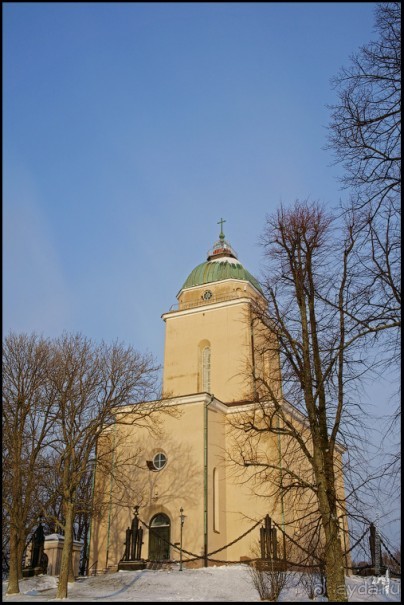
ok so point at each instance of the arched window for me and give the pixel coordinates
(204, 365)
(159, 520)
(206, 369)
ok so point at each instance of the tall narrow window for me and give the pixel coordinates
(206, 369)
(216, 526)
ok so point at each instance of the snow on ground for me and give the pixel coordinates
(226, 583)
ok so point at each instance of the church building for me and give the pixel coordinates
(182, 473)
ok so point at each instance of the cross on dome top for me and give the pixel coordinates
(221, 236)
(221, 248)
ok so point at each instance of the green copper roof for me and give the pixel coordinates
(222, 263)
(218, 270)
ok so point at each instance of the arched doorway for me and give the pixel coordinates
(159, 537)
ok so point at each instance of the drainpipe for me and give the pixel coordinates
(205, 481)
(110, 498)
(253, 354)
(280, 467)
(281, 478)
(280, 473)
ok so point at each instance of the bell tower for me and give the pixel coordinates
(209, 344)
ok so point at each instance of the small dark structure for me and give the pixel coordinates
(131, 559)
(39, 560)
(270, 555)
(376, 552)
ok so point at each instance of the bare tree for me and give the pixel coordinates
(311, 326)
(269, 581)
(365, 135)
(51, 496)
(84, 511)
(97, 386)
(28, 416)
(365, 127)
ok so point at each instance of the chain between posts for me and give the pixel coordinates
(195, 557)
(211, 553)
(297, 544)
(357, 542)
(390, 553)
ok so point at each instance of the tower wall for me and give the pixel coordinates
(224, 327)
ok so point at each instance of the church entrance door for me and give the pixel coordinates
(159, 537)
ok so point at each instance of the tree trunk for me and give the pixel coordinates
(66, 552)
(20, 552)
(334, 558)
(13, 586)
(334, 565)
(71, 577)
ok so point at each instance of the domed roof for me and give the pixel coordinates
(222, 263)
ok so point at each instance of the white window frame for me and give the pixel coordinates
(159, 456)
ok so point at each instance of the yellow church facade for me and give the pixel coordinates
(186, 462)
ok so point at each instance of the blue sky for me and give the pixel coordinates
(130, 129)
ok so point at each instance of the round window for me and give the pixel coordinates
(159, 461)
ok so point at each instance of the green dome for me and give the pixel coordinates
(217, 270)
(222, 263)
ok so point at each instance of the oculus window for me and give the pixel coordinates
(159, 461)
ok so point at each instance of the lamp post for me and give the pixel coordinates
(182, 517)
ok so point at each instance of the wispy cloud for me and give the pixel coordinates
(35, 295)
